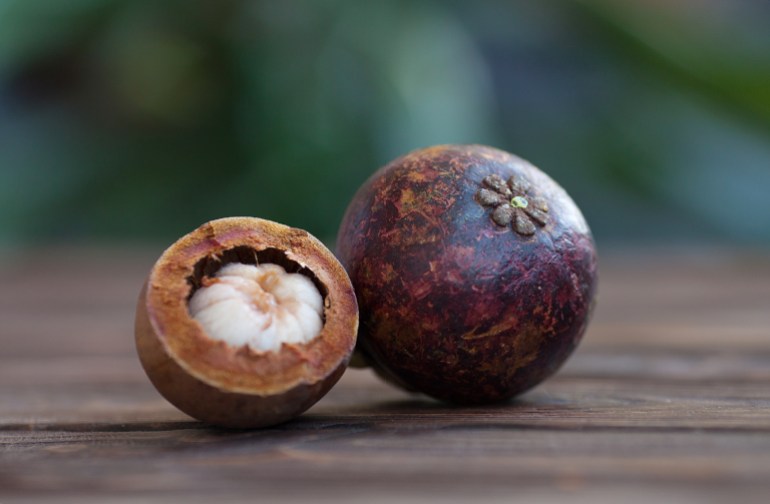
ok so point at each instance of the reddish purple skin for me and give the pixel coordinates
(451, 304)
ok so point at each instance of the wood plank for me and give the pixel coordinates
(665, 430)
(667, 399)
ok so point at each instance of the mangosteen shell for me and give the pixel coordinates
(237, 387)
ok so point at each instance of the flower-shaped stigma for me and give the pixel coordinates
(513, 203)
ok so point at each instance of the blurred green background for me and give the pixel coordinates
(139, 120)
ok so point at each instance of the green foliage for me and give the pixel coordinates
(142, 119)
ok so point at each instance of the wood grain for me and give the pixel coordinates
(668, 399)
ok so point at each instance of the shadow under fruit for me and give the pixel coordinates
(475, 273)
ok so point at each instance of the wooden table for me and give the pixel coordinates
(667, 400)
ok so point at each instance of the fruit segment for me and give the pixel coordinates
(259, 306)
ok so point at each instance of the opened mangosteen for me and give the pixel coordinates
(245, 322)
(475, 273)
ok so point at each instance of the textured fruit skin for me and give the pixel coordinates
(452, 304)
(235, 387)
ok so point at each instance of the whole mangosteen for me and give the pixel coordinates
(475, 273)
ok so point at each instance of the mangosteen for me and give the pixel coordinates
(475, 273)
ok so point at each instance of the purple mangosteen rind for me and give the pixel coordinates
(475, 273)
